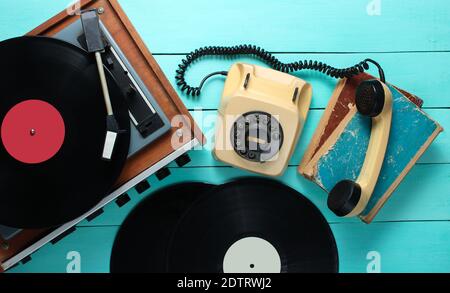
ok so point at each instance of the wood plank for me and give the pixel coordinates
(437, 153)
(417, 198)
(404, 70)
(403, 247)
(21, 16)
(93, 244)
(294, 26)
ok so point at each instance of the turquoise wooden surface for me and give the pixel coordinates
(396, 244)
(410, 71)
(437, 153)
(411, 38)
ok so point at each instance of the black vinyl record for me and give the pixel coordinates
(63, 78)
(249, 225)
(253, 215)
(142, 241)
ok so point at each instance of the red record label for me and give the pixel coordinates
(33, 131)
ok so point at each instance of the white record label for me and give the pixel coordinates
(252, 255)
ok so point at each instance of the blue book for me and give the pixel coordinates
(338, 148)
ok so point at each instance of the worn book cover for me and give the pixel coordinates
(338, 148)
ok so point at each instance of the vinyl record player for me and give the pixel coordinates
(153, 105)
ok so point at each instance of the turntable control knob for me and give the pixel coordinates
(109, 62)
(32, 132)
(131, 92)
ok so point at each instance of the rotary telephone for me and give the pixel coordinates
(263, 110)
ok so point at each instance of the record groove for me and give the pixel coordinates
(141, 243)
(204, 229)
(253, 207)
(76, 178)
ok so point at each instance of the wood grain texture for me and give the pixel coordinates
(423, 74)
(437, 153)
(417, 28)
(170, 26)
(403, 247)
(419, 198)
(291, 25)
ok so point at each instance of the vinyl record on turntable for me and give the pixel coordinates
(245, 226)
(53, 126)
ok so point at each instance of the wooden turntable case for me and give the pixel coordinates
(185, 128)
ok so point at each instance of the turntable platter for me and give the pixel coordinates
(53, 125)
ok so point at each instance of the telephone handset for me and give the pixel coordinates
(349, 198)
